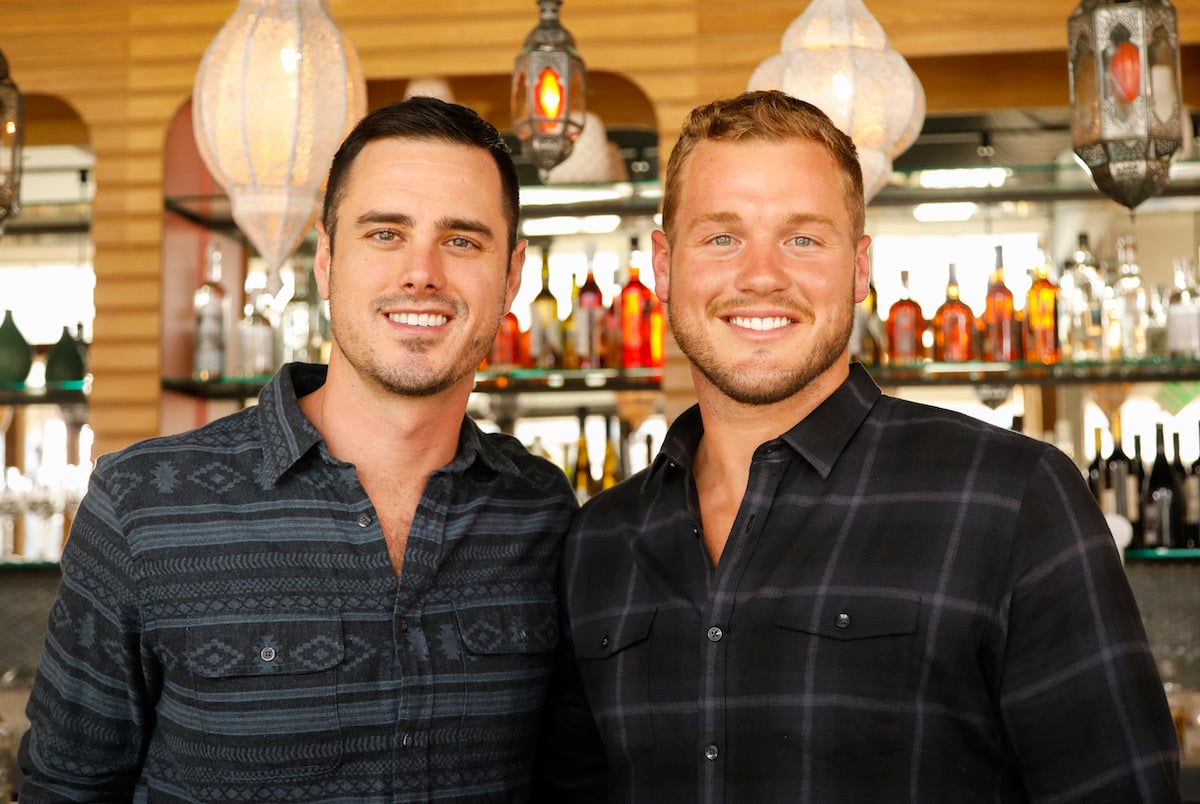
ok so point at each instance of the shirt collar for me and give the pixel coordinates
(287, 434)
(820, 437)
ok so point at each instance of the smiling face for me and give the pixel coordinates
(762, 270)
(420, 274)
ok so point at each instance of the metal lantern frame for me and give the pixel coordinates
(549, 89)
(12, 137)
(1126, 101)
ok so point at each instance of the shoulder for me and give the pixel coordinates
(531, 470)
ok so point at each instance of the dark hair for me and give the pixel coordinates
(421, 118)
(768, 115)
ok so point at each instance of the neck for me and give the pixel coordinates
(372, 427)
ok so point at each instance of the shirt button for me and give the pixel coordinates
(407, 741)
(267, 654)
(711, 752)
(522, 635)
(604, 641)
(842, 620)
(715, 634)
(364, 520)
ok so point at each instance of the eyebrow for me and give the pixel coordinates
(796, 219)
(443, 224)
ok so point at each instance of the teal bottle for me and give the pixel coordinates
(16, 355)
(64, 361)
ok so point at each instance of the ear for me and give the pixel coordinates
(516, 266)
(862, 268)
(662, 265)
(321, 260)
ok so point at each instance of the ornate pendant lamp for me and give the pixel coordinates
(1126, 106)
(277, 90)
(12, 136)
(548, 90)
(836, 56)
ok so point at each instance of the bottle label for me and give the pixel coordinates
(1191, 491)
(1133, 510)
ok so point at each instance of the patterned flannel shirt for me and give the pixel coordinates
(912, 606)
(230, 626)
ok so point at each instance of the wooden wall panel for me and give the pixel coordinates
(127, 66)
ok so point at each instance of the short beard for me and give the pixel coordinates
(740, 383)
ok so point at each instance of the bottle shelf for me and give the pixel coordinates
(514, 382)
(973, 372)
(52, 393)
(1163, 553)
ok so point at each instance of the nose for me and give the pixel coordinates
(762, 271)
(421, 268)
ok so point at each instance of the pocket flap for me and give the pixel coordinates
(511, 628)
(603, 638)
(262, 648)
(854, 618)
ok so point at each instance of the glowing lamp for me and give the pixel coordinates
(548, 90)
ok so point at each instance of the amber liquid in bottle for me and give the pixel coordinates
(905, 327)
(999, 321)
(1041, 319)
(953, 326)
(636, 305)
(545, 331)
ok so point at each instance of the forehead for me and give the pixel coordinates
(426, 169)
(786, 176)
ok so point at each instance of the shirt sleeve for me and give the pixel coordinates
(1081, 698)
(91, 706)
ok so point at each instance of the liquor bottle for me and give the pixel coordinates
(506, 349)
(589, 318)
(1162, 500)
(211, 309)
(612, 459)
(1096, 471)
(905, 327)
(1183, 312)
(581, 477)
(570, 357)
(636, 300)
(1041, 318)
(300, 322)
(1191, 516)
(867, 339)
(1131, 300)
(999, 321)
(1122, 481)
(1137, 482)
(1191, 492)
(64, 361)
(1081, 299)
(545, 333)
(953, 326)
(256, 332)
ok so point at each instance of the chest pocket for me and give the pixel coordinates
(264, 699)
(614, 661)
(861, 651)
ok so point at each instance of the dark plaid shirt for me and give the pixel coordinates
(230, 627)
(913, 606)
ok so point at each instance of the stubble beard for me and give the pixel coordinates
(755, 381)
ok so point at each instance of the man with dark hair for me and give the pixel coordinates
(817, 593)
(345, 592)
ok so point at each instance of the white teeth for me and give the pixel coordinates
(760, 324)
(419, 319)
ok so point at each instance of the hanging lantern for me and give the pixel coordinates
(836, 56)
(1126, 106)
(12, 135)
(548, 89)
(277, 90)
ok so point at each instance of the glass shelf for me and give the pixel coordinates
(52, 393)
(1163, 553)
(514, 382)
(978, 372)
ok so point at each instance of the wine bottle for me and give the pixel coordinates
(1096, 470)
(582, 475)
(999, 322)
(612, 460)
(589, 318)
(1162, 500)
(570, 354)
(1119, 477)
(636, 300)
(1137, 481)
(211, 309)
(1041, 318)
(1191, 510)
(905, 327)
(545, 334)
(953, 325)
